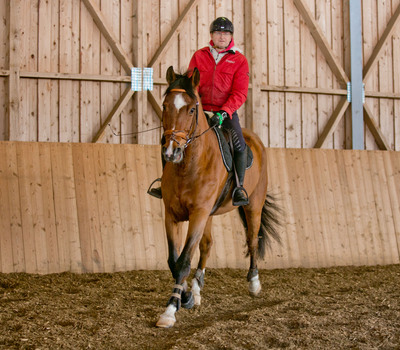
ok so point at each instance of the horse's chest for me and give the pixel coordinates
(183, 201)
(179, 209)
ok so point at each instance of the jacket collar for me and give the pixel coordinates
(231, 47)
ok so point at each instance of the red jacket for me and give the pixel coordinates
(223, 86)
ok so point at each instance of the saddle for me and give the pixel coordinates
(226, 148)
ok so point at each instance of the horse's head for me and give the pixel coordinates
(180, 113)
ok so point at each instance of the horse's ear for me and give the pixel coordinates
(171, 77)
(195, 77)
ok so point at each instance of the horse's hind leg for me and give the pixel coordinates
(205, 247)
(253, 219)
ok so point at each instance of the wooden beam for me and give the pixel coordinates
(304, 90)
(105, 29)
(322, 43)
(117, 109)
(333, 122)
(140, 105)
(173, 32)
(379, 94)
(80, 77)
(254, 102)
(13, 121)
(155, 104)
(381, 43)
(375, 130)
(13, 125)
(161, 81)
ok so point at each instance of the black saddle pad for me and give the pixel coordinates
(227, 158)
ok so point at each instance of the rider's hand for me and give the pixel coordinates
(218, 118)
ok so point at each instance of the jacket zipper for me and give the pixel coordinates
(213, 85)
(213, 77)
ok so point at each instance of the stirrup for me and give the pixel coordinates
(155, 192)
(243, 197)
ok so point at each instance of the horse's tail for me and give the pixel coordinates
(270, 222)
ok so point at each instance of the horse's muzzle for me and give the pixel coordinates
(173, 155)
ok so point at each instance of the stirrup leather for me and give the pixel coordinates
(155, 192)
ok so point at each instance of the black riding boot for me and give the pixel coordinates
(156, 192)
(239, 195)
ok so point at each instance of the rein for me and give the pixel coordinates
(187, 136)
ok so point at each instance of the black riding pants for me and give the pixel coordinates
(234, 128)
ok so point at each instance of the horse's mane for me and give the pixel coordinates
(182, 81)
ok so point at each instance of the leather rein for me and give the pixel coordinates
(187, 136)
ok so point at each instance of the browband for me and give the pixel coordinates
(177, 90)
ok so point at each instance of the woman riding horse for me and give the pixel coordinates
(224, 82)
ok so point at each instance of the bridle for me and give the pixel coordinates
(189, 137)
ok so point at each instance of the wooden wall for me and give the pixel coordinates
(64, 68)
(84, 208)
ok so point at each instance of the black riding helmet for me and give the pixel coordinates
(221, 24)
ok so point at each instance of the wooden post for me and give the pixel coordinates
(14, 132)
(140, 60)
(254, 107)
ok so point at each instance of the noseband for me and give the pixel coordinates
(187, 136)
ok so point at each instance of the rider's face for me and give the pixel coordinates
(221, 40)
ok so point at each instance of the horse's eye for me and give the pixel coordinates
(192, 110)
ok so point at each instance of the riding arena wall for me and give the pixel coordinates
(65, 68)
(84, 208)
(78, 147)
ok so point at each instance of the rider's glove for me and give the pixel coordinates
(218, 118)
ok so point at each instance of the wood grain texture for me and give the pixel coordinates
(84, 208)
(64, 68)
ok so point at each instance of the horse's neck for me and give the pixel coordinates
(199, 150)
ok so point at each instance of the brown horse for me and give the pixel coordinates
(193, 178)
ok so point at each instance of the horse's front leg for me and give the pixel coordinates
(180, 267)
(205, 248)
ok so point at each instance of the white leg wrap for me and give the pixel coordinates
(254, 286)
(167, 319)
(196, 292)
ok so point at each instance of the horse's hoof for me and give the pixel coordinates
(254, 286)
(197, 300)
(196, 286)
(187, 300)
(255, 292)
(167, 319)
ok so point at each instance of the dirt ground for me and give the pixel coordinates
(335, 308)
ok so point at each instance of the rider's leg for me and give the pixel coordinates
(239, 196)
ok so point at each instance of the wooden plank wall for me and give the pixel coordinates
(84, 208)
(293, 89)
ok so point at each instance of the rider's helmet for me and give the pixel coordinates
(221, 24)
